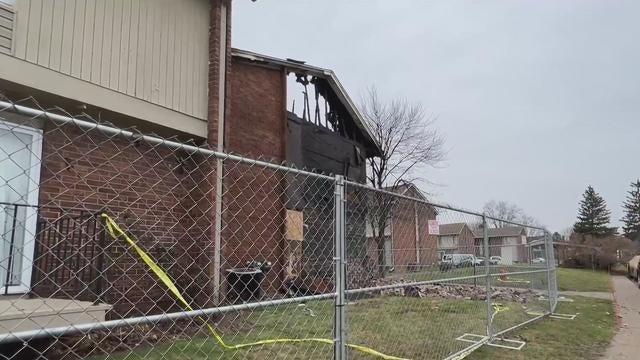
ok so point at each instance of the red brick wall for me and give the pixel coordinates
(254, 196)
(428, 242)
(404, 234)
(257, 113)
(156, 194)
(466, 242)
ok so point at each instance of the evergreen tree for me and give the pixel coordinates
(631, 219)
(593, 216)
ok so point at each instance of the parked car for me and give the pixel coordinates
(480, 261)
(495, 260)
(468, 261)
(451, 261)
(538, 260)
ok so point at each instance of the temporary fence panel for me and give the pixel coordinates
(403, 299)
(122, 245)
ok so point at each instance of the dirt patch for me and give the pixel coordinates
(131, 337)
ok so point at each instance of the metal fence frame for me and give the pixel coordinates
(340, 258)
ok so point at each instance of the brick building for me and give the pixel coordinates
(198, 216)
(407, 242)
(509, 242)
(456, 238)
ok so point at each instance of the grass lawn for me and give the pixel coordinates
(536, 280)
(568, 279)
(401, 326)
(586, 337)
(406, 327)
(582, 280)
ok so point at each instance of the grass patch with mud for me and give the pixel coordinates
(408, 327)
(586, 337)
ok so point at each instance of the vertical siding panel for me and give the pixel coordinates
(156, 50)
(197, 52)
(164, 51)
(78, 38)
(105, 67)
(173, 7)
(21, 26)
(56, 35)
(191, 51)
(87, 43)
(96, 53)
(67, 36)
(184, 61)
(148, 51)
(124, 47)
(44, 47)
(116, 39)
(155, 58)
(132, 63)
(202, 70)
(177, 53)
(204, 99)
(33, 33)
(142, 45)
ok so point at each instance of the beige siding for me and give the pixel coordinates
(155, 50)
(6, 29)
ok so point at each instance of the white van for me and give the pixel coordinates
(450, 261)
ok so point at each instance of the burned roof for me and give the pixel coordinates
(451, 229)
(324, 78)
(507, 231)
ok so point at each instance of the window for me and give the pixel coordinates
(447, 242)
(20, 150)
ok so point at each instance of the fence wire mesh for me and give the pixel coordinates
(119, 245)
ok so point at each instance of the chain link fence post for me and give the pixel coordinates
(340, 349)
(553, 284)
(549, 254)
(487, 272)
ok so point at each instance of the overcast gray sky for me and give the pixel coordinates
(537, 99)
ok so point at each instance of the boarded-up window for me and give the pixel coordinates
(295, 225)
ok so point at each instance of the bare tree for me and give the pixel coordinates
(502, 210)
(505, 212)
(408, 139)
(409, 142)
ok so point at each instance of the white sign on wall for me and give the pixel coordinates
(434, 228)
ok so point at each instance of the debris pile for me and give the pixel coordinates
(459, 291)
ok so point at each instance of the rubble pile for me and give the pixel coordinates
(459, 291)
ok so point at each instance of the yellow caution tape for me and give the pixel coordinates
(498, 308)
(115, 231)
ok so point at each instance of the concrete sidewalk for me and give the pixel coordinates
(589, 294)
(626, 344)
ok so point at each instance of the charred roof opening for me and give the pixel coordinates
(318, 97)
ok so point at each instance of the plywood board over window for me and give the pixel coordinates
(294, 235)
(294, 225)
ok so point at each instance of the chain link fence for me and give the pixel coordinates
(120, 245)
